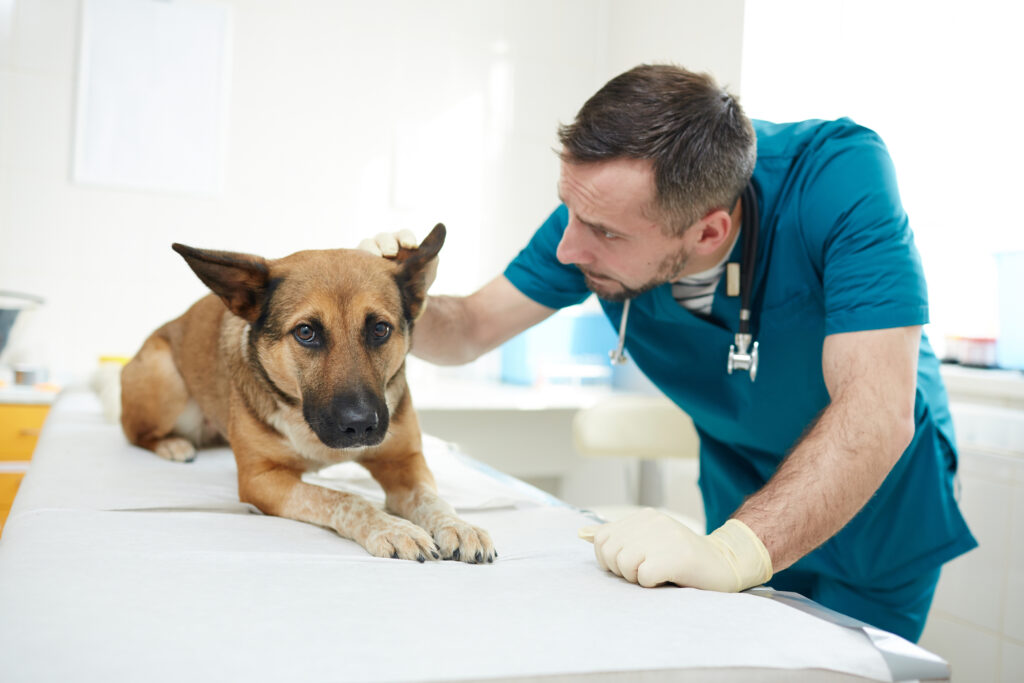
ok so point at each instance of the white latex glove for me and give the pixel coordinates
(651, 548)
(387, 243)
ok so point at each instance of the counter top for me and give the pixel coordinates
(44, 394)
(467, 394)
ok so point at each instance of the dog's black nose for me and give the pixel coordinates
(357, 421)
(349, 420)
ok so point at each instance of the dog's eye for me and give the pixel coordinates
(381, 331)
(305, 334)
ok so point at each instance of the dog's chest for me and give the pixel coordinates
(301, 439)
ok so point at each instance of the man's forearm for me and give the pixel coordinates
(444, 334)
(459, 329)
(826, 479)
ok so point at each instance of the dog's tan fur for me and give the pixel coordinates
(235, 367)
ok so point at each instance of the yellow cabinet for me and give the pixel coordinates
(9, 482)
(20, 424)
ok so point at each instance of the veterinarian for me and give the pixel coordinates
(828, 472)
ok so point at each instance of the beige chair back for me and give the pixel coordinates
(641, 426)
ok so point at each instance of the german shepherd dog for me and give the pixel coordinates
(299, 363)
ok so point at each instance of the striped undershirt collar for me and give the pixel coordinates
(696, 292)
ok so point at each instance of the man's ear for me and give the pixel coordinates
(712, 231)
(715, 229)
(240, 280)
(417, 270)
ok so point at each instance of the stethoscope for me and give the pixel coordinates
(740, 359)
(741, 274)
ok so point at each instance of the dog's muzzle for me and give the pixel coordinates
(348, 420)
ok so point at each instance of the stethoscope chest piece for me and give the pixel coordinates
(741, 360)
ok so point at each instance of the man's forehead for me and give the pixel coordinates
(617, 187)
(638, 172)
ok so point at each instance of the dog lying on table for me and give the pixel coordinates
(299, 363)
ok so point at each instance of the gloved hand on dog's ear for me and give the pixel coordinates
(651, 548)
(388, 243)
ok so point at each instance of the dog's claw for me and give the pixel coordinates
(399, 539)
(459, 541)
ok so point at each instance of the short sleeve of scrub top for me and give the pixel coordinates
(858, 235)
(537, 273)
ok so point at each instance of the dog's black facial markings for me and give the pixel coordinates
(267, 324)
(261, 372)
(404, 282)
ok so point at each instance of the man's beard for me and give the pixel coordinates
(670, 266)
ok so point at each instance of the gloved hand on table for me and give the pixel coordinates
(651, 548)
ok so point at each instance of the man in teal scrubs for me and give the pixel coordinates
(831, 473)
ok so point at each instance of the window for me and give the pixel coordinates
(940, 82)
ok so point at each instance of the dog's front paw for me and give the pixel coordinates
(401, 539)
(176, 448)
(461, 541)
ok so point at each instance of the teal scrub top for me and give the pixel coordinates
(835, 254)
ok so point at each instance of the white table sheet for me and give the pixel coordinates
(116, 565)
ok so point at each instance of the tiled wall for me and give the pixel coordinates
(977, 619)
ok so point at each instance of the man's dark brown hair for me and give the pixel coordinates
(701, 144)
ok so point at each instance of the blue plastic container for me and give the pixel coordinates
(570, 347)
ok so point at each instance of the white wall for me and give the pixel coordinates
(345, 118)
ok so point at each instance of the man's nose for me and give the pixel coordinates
(572, 248)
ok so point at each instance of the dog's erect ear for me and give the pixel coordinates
(239, 279)
(418, 269)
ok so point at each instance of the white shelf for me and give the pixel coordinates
(989, 386)
(13, 393)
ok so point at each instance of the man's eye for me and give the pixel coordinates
(603, 234)
(305, 334)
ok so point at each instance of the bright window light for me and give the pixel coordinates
(940, 82)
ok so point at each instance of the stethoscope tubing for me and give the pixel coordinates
(751, 226)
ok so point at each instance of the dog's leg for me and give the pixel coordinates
(412, 493)
(277, 489)
(153, 397)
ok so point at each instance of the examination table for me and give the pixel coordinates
(116, 565)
